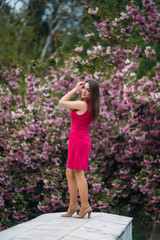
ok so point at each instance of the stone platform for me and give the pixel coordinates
(52, 226)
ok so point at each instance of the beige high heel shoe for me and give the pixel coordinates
(88, 210)
(69, 214)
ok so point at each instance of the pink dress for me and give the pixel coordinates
(79, 141)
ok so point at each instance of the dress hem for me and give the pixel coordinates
(77, 169)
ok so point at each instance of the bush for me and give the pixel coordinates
(124, 160)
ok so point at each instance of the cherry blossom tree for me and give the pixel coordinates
(124, 161)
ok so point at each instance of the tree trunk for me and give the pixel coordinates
(155, 232)
(62, 19)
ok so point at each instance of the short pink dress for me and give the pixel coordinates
(79, 140)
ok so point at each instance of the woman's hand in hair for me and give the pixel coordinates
(79, 85)
(79, 105)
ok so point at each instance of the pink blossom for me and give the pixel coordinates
(132, 74)
(115, 185)
(124, 16)
(92, 11)
(141, 138)
(15, 71)
(150, 53)
(89, 52)
(96, 187)
(16, 115)
(89, 35)
(44, 209)
(124, 195)
(141, 98)
(108, 51)
(98, 49)
(78, 49)
(147, 3)
(1, 200)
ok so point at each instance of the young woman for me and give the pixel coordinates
(84, 112)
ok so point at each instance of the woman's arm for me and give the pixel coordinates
(80, 105)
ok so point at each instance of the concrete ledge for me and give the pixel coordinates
(52, 226)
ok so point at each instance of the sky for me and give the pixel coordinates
(17, 4)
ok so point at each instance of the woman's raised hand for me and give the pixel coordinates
(64, 101)
(79, 85)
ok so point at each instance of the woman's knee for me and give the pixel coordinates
(79, 173)
(69, 173)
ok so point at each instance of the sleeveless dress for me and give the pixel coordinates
(79, 140)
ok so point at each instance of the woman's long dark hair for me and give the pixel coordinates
(94, 99)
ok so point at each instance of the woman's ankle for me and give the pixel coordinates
(84, 206)
(73, 205)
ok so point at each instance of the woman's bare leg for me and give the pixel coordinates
(72, 186)
(83, 189)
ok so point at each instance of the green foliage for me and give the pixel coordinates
(18, 41)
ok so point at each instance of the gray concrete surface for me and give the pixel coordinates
(52, 226)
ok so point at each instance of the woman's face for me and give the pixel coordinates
(85, 92)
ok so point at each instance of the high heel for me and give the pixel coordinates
(88, 210)
(69, 214)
